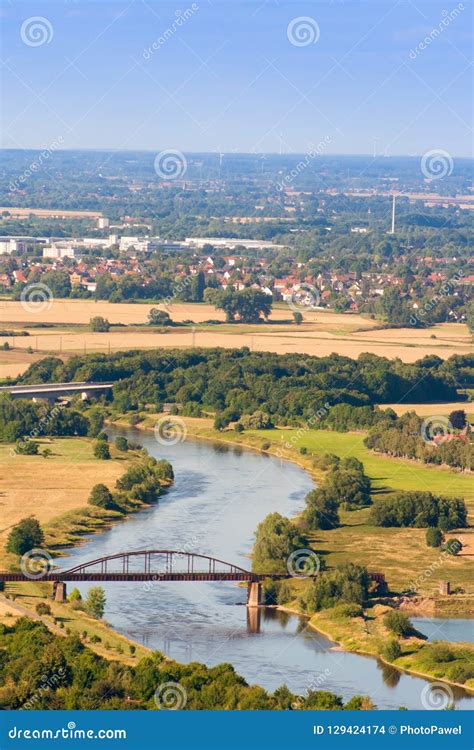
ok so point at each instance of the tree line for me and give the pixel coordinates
(39, 670)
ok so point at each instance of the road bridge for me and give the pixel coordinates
(53, 391)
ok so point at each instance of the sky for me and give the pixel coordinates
(353, 77)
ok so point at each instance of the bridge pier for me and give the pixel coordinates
(254, 594)
(59, 591)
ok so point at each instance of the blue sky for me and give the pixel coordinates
(238, 76)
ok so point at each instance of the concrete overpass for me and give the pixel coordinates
(54, 391)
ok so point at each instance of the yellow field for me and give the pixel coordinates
(321, 334)
(431, 410)
(49, 487)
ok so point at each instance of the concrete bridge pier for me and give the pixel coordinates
(254, 594)
(59, 591)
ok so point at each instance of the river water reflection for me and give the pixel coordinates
(219, 497)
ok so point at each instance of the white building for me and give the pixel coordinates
(102, 222)
(8, 245)
(59, 251)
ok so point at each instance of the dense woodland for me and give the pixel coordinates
(290, 387)
(39, 670)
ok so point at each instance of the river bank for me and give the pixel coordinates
(365, 637)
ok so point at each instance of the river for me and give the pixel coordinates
(220, 495)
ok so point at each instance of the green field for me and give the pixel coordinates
(386, 473)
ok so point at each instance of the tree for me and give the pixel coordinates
(321, 510)
(275, 539)
(247, 304)
(298, 318)
(434, 537)
(95, 602)
(59, 282)
(102, 450)
(101, 496)
(25, 536)
(99, 324)
(121, 443)
(159, 317)
(458, 419)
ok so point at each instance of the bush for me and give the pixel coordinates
(303, 451)
(266, 445)
(25, 536)
(391, 650)
(101, 450)
(434, 537)
(27, 447)
(103, 436)
(43, 609)
(239, 427)
(121, 443)
(398, 623)
(348, 610)
(452, 547)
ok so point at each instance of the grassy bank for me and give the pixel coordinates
(368, 635)
(55, 490)
(400, 553)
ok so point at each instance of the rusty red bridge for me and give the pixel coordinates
(154, 565)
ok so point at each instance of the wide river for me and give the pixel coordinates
(219, 496)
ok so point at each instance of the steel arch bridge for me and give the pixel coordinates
(146, 565)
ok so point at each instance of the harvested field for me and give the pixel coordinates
(321, 334)
(46, 488)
